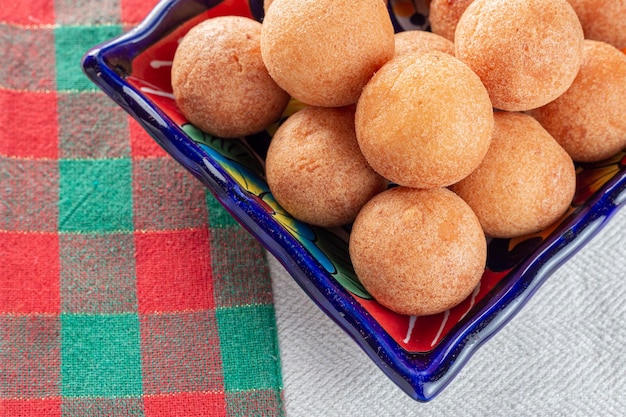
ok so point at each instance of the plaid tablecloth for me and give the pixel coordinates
(125, 288)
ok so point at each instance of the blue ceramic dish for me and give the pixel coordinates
(420, 354)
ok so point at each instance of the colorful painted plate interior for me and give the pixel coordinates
(420, 354)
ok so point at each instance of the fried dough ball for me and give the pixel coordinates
(411, 41)
(267, 3)
(315, 169)
(424, 120)
(602, 20)
(418, 252)
(525, 183)
(219, 80)
(323, 52)
(526, 52)
(589, 119)
(444, 16)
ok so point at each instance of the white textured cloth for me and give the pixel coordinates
(564, 354)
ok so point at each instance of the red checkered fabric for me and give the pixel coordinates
(125, 288)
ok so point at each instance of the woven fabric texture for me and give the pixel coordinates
(125, 288)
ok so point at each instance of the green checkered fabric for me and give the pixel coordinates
(125, 288)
